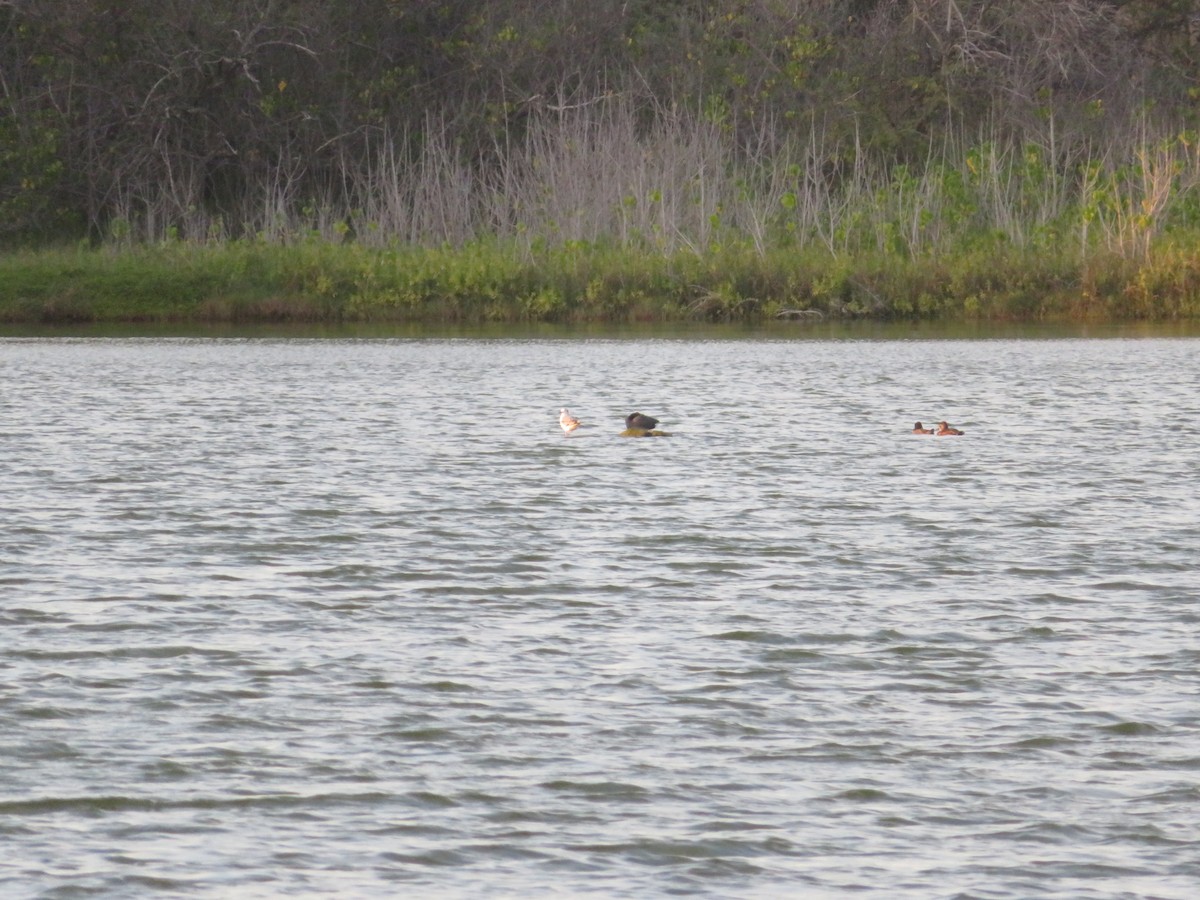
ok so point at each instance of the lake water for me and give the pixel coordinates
(292, 617)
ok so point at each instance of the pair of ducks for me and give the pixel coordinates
(639, 422)
(635, 420)
(943, 428)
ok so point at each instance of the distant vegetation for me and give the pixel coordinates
(607, 160)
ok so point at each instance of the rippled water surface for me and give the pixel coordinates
(286, 617)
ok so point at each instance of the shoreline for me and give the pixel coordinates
(247, 283)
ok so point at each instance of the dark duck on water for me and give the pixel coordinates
(637, 420)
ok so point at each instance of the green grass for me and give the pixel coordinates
(980, 232)
(574, 283)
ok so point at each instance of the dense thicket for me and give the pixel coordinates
(439, 120)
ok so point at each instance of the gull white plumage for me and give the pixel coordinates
(568, 422)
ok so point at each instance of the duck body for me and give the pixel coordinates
(635, 420)
(918, 428)
(644, 432)
(945, 429)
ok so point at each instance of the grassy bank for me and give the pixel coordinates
(593, 220)
(490, 282)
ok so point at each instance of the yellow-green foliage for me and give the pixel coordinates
(985, 231)
(491, 281)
